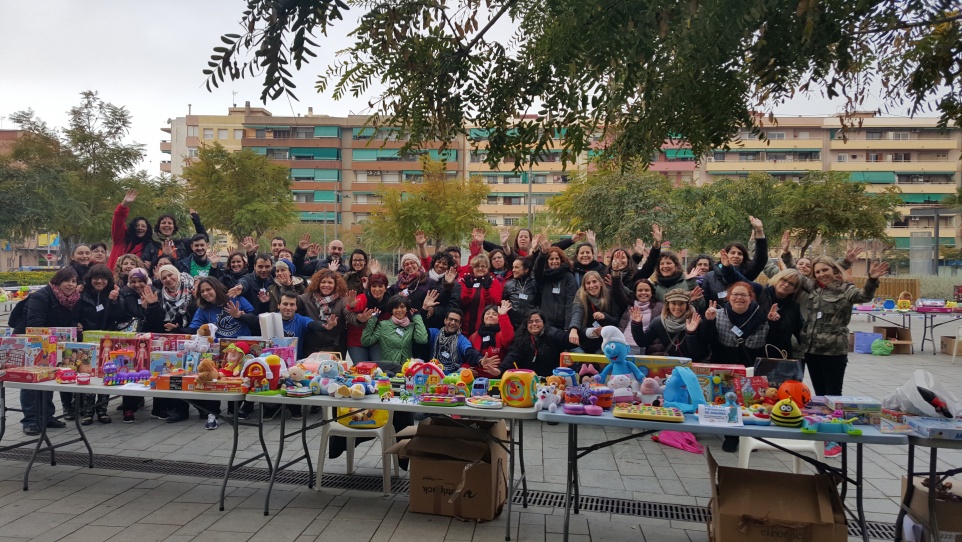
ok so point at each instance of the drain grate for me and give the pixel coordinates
(545, 499)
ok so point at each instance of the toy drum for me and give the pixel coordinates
(604, 396)
(571, 378)
(518, 387)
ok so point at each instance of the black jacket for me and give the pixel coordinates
(149, 319)
(682, 344)
(181, 246)
(43, 310)
(513, 291)
(98, 312)
(558, 288)
(619, 302)
(252, 287)
(715, 282)
(540, 355)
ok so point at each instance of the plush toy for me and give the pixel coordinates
(771, 397)
(547, 399)
(557, 381)
(327, 372)
(207, 371)
(682, 391)
(198, 345)
(621, 389)
(234, 355)
(354, 391)
(650, 390)
(615, 348)
(787, 414)
(297, 376)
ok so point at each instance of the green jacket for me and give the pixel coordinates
(827, 312)
(395, 346)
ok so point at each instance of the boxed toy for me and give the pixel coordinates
(750, 505)
(28, 374)
(80, 357)
(256, 348)
(165, 362)
(6, 331)
(853, 403)
(226, 384)
(456, 469)
(166, 342)
(63, 334)
(936, 428)
(947, 512)
(727, 373)
(288, 354)
(751, 390)
(46, 348)
(135, 350)
(96, 336)
(658, 366)
(14, 352)
(893, 421)
(179, 382)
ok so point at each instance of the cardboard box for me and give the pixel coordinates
(183, 382)
(900, 337)
(853, 403)
(949, 344)
(755, 506)
(936, 428)
(28, 374)
(229, 384)
(948, 513)
(456, 469)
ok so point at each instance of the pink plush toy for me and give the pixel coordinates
(650, 390)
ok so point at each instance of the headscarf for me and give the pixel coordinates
(138, 272)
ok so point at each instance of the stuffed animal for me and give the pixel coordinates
(354, 391)
(234, 356)
(787, 414)
(207, 371)
(297, 376)
(682, 391)
(621, 389)
(650, 390)
(557, 381)
(547, 399)
(615, 348)
(771, 397)
(327, 372)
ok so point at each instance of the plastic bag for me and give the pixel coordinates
(908, 399)
(864, 340)
(881, 347)
(679, 439)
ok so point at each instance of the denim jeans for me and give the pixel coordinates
(364, 353)
(30, 404)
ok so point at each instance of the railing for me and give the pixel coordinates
(916, 137)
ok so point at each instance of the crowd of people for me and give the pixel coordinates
(519, 304)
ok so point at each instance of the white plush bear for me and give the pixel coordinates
(621, 386)
(547, 399)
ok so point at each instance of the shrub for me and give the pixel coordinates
(27, 278)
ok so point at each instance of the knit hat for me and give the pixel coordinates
(677, 294)
(611, 334)
(138, 273)
(410, 256)
(284, 262)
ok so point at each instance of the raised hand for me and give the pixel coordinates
(304, 242)
(366, 315)
(878, 270)
(504, 308)
(477, 234)
(263, 296)
(590, 236)
(249, 244)
(773, 315)
(233, 309)
(236, 291)
(723, 258)
(640, 247)
(129, 198)
(696, 293)
(786, 241)
(851, 254)
(420, 238)
(231, 249)
(191, 211)
(636, 315)
(451, 275)
(578, 237)
(313, 250)
(712, 310)
(693, 273)
(657, 234)
(148, 295)
(503, 233)
(374, 266)
(573, 337)
(331, 322)
(350, 298)
(167, 248)
(692, 323)
(213, 256)
(114, 294)
(757, 227)
(430, 299)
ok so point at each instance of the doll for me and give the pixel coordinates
(615, 348)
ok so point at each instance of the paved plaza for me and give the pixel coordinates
(67, 502)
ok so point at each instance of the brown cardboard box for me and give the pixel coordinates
(226, 384)
(948, 513)
(455, 470)
(949, 343)
(28, 374)
(766, 506)
(900, 337)
(183, 382)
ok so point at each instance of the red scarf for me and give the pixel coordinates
(68, 301)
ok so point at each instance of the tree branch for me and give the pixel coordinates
(907, 25)
(466, 49)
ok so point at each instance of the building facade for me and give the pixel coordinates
(337, 168)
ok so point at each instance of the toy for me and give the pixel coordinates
(755, 415)
(604, 396)
(258, 374)
(621, 389)
(644, 412)
(615, 348)
(387, 396)
(733, 409)
(797, 391)
(484, 401)
(771, 397)
(812, 425)
(66, 376)
(327, 372)
(479, 388)
(436, 399)
(682, 391)
(547, 399)
(207, 371)
(578, 409)
(200, 344)
(83, 379)
(234, 354)
(517, 387)
(650, 390)
(786, 413)
(365, 368)
(566, 374)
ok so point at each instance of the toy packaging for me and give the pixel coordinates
(658, 366)
(256, 346)
(642, 412)
(63, 334)
(893, 421)
(6, 331)
(96, 336)
(751, 390)
(78, 355)
(46, 346)
(726, 373)
(135, 350)
(180, 382)
(936, 428)
(221, 385)
(28, 374)
(853, 403)
(15, 353)
(288, 354)
(166, 342)
(165, 362)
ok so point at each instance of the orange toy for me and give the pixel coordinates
(796, 391)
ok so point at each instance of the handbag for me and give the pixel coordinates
(779, 369)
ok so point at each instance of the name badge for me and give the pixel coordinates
(819, 315)
(100, 308)
(399, 331)
(477, 285)
(445, 354)
(556, 290)
(140, 301)
(722, 295)
(486, 338)
(522, 296)
(405, 292)
(737, 331)
(595, 324)
(202, 273)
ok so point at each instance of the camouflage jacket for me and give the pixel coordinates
(827, 312)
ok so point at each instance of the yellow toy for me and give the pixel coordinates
(787, 414)
(518, 388)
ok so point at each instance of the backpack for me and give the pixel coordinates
(18, 316)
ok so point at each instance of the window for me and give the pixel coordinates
(191, 152)
(491, 179)
(361, 217)
(390, 177)
(873, 157)
(492, 200)
(282, 134)
(540, 179)
(208, 133)
(718, 156)
(803, 135)
(238, 134)
(514, 200)
(191, 131)
(776, 156)
(842, 158)
(901, 135)
(539, 200)
(942, 156)
(873, 135)
(360, 177)
(512, 221)
(304, 197)
(260, 134)
(477, 157)
(278, 154)
(512, 180)
(303, 132)
(776, 135)
(368, 198)
(902, 157)
(222, 133)
(748, 157)
(493, 221)
(561, 179)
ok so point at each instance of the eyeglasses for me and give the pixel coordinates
(453, 320)
(739, 296)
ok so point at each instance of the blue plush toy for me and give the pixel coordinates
(682, 391)
(615, 348)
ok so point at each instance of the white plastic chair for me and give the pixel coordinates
(385, 434)
(958, 338)
(748, 444)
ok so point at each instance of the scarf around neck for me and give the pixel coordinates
(67, 301)
(446, 350)
(324, 303)
(402, 323)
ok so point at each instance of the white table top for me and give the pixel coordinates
(870, 434)
(96, 386)
(373, 401)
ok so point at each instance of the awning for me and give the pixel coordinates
(678, 153)
(923, 198)
(874, 177)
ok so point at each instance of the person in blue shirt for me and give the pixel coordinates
(297, 325)
(233, 317)
(450, 347)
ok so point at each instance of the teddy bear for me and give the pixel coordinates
(297, 376)
(547, 399)
(207, 371)
(771, 397)
(557, 381)
(620, 385)
(327, 372)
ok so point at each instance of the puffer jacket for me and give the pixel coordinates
(827, 311)
(558, 288)
(523, 295)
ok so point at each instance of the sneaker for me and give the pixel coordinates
(243, 416)
(31, 430)
(730, 444)
(159, 415)
(832, 449)
(177, 417)
(86, 420)
(269, 413)
(69, 414)
(297, 414)
(211, 423)
(129, 416)
(55, 424)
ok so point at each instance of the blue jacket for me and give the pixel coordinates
(227, 327)
(466, 353)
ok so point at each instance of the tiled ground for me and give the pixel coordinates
(72, 503)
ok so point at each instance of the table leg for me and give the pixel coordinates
(277, 465)
(574, 479)
(524, 477)
(933, 480)
(233, 453)
(569, 479)
(40, 440)
(507, 527)
(844, 489)
(260, 436)
(305, 411)
(3, 411)
(909, 491)
(858, 492)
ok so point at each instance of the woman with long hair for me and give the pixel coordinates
(396, 334)
(537, 346)
(643, 300)
(327, 297)
(670, 275)
(234, 269)
(233, 317)
(596, 305)
(80, 259)
(552, 273)
(166, 228)
(125, 263)
(133, 238)
(479, 289)
(374, 297)
(359, 270)
(493, 338)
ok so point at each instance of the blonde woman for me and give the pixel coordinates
(597, 304)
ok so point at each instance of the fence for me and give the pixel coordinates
(891, 287)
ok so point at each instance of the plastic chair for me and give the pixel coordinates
(748, 444)
(385, 434)
(958, 338)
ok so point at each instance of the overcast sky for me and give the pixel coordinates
(147, 55)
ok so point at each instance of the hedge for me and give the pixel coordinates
(27, 278)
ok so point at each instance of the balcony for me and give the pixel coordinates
(946, 143)
(165, 166)
(771, 144)
(715, 167)
(904, 166)
(165, 147)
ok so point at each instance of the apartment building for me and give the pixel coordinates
(337, 169)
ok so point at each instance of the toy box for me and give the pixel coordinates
(457, 469)
(46, 348)
(726, 372)
(853, 403)
(948, 513)
(165, 361)
(180, 382)
(6, 331)
(288, 354)
(136, 350)
(658, 366)
(893, 421)
(257, 347)
(77, 355)
(28, 374)
(751, 390)
(166, 342)
(227, 384)
(14, 352)
(63, 334)
(750, 505)
(936, 428)
(96, 336)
